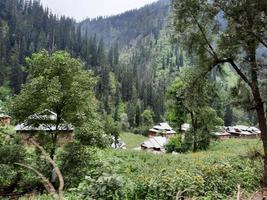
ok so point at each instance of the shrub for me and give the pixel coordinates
(142, 130)
(78, 157)
(174, 144)
(105, 187)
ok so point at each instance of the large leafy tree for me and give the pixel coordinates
(197, 105)
(58, 83)
(228, 33)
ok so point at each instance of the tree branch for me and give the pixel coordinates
(259, 39)
(204, 36)
(47, 184)
(240, 73)
(53, 163)
(237, 21)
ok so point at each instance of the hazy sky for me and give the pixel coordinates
(82, 9)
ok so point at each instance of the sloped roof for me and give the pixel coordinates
(162, 127)
(155, 143)
(243, 130)
(44, 127)
(43, 117)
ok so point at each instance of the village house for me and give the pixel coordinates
(155, 144)
(162, 129)
(45, 122)
(243, 131)
(4, 120)
(222, 135)
(237, 132)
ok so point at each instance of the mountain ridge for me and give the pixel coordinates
(127, 26)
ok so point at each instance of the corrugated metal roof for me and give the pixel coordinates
(41, 119)
(162, 127)
(44, 115)
(44, 127)
(155, 143)
(165, 126)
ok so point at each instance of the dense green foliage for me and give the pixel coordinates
(59, 83)
(26, 27)
(194, 99)
(126, 73)
(229, 33)
(212, 174)
(125, 28)
(10, 152)
(174, 144)
(135, 62)
(56, 82)
(205, 175)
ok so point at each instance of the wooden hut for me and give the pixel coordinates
(155, 144)
(162, 129)
(45, 122)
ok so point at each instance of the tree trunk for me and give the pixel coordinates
(194, 131)
(54, 145)
(55, 167)
(260, 112)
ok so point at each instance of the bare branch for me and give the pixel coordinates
(47, 184)
(240, 73)
(258, 38)
(53, 163)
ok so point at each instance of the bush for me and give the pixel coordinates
(10, 152)
(78, 157)
(174, 144)
(105, 187)
(204, 175)
(130, 175)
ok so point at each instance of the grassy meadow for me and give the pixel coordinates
(206, 175)
(132, 140)
(212, 174)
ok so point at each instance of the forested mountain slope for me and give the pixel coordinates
(26, 27)
(130, 53)
(147, 62)
(129, 26)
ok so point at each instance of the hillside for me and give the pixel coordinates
(129, 26)
(131, 53)
(148, 62)
(74, 95)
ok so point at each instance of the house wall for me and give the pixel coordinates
(63, 137)
(154, 134)
(223, 137)
(245, 136)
